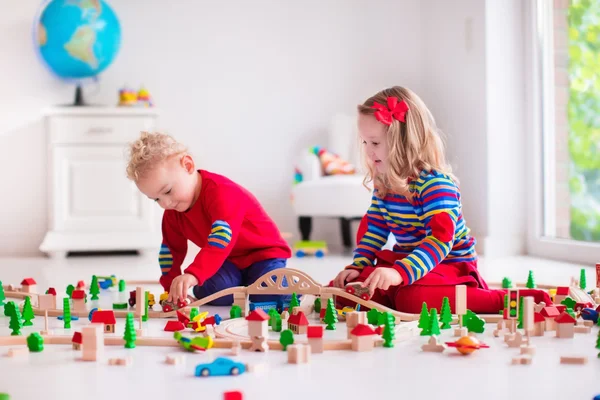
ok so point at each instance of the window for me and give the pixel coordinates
(565, 68)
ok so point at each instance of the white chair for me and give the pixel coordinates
(333, 196)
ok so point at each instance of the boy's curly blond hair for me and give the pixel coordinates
(149, 150)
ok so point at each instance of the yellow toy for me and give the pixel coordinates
(127, 97)
(143, 98)
(198, 319)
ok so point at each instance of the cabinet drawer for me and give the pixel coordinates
(97, 129)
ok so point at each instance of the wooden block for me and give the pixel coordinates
(174, 359)
(528, 349)
(582, 329)
(17, 351)
(298, 354)
(124, 361)
(256, 368)
(434, 345)
(460, 300)
(460, 332)
(139, 301)
(573, 360)
(528, 313)
(521, 360)
(588, 323)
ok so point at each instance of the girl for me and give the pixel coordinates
(417, 199)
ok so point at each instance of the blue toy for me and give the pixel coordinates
(220, 366)
(589, 314)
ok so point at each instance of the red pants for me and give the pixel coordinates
(439, 283)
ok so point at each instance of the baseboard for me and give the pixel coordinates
(505, 246)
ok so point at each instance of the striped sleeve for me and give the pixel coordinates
(172, 250)
(374, 238)
(440, 202)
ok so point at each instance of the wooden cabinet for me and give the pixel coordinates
(92, 205)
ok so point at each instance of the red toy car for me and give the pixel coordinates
(358, 290)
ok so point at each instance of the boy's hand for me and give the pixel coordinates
(382, 278)
(180, 286)
(345, 275)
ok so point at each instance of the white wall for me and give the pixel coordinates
(454, 62)
(506, 133)
(246, 85)
(474, 84)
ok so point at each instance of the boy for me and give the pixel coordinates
(239, 241)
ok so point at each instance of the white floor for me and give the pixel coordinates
(402, 371)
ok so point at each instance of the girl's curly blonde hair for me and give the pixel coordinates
(149, 150)
(414, 145)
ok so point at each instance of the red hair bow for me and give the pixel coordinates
(394, 109)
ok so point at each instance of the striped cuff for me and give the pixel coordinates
(165, 259)
(220, 235)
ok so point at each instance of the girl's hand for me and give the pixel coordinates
(180, 286)
(382, 278)
(345, 275)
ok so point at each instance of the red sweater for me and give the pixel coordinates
(228, 223)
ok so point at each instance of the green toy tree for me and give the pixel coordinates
(318, 305)
(94, 288)
(8, 308)
(2, 295)
(286, 338)
(446, 314)
(272, 315)
(389, 330)
(373, 316)
(424, 321)
(66, 313)
(277, 323)
(582, 282)
(28, 314)
(235, 312)
(530, 282)
(145, 316)
(193, 313)
(121, 285)
(569, 302)
(520, 316)
(330, 315)
(598, 341)
(293, 303)
(598, 322)
(35, 342)
(70, 289)
(434, 324)
(474, 323)
(130, 335)
(506, 283)
(15, 323)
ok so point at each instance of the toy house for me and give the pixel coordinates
(28, 285)
(550, 313)
(539, 324)
(258, 323)
(106, 317)
(565, 326)
(562, 293)
(363, 338)
(314, 333)
(78, 297)
(298, 323)
(77, 340)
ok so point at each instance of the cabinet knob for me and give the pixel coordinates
(99, 130)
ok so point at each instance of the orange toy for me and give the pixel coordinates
(467, 344)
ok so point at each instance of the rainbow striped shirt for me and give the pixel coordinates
(423, 233)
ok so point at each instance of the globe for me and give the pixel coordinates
(77, 39)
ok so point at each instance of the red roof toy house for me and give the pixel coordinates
(565, 326)
(78, 297)
(258, 323)
(314, 333)
(28, 285)
(106, 317)
(539, 324)
(362, 338)
(81, 285)
(77, 341)
(562, 293)
(298, 323)
(51, 291)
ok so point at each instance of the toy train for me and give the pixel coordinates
(278, 305)
(132, 301)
